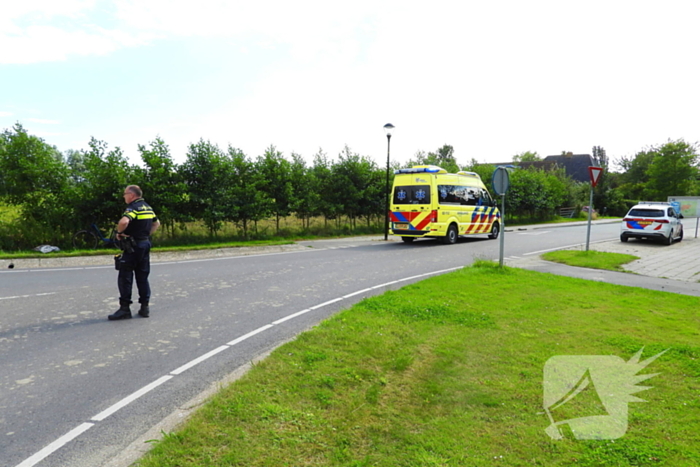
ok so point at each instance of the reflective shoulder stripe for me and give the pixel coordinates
(141, 211)
(144, 215)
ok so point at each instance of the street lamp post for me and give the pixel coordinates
(388, 128)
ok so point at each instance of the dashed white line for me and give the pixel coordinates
(131, 398)
(288, 317)
(250, 334)
(198, 360)
(28, 296)
(56, 445)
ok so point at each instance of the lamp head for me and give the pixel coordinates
(388, 128)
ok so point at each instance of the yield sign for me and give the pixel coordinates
(595, 172)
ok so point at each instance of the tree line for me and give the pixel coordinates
(47, 195)
(51, 194)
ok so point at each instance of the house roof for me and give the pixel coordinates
(575, 165)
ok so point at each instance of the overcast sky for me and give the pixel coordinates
(491, 78)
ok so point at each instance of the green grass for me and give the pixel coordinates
(110, 251)
(448, 372)
(590, 259)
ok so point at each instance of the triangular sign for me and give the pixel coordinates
(595, 172)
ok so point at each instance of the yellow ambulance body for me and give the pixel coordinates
(426, 201)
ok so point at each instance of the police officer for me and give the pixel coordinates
(134, 229)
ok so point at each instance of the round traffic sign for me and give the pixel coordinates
(500, 181)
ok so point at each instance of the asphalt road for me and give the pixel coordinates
(77, 390)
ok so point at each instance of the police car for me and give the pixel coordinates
(653, 221)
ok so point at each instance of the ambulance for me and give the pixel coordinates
(426, 201)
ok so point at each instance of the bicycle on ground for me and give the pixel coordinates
(90, 238)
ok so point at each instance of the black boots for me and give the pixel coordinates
(124, 312)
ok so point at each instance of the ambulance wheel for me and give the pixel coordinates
(451, 237)
(495, 230)
(408, 239)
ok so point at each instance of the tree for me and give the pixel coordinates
(162, 183)
(634, 177)
(250, 203)
(658, 172)
(534, 194)
(527, 156)
(97, 192)
(361, 193)
(277, 182)
(323, 185)
(205, 174)
(443, 157)
(34, 178)
(306, 199)
(673, 171)
(606, 199)
(29, 167)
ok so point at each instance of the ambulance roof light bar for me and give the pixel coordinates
(434, 169)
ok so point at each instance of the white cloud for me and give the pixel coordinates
(35, 31)
(492, 79)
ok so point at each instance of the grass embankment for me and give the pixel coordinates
(449, 372)
(590, 259)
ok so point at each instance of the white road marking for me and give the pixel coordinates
(198, 360)
(539, 232)
(131, 398)
(28, 296)
(250, 334)
(56, 445)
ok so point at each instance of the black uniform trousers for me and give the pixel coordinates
(136, 263)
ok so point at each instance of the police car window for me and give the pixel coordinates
(647, 213)
(462, 195)
(412, 194)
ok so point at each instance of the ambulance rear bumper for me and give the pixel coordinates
(410, 233)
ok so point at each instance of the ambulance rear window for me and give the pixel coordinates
(412, 194)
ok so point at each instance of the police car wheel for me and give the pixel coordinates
(669, 240)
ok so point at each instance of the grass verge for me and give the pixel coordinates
(590, 259)
(449, 372)
(112, 251)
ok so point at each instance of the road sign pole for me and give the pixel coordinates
(590, 215)
(500, 180)
(594, 173)
(503, 230)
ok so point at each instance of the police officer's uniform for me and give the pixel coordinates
(136, 261)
